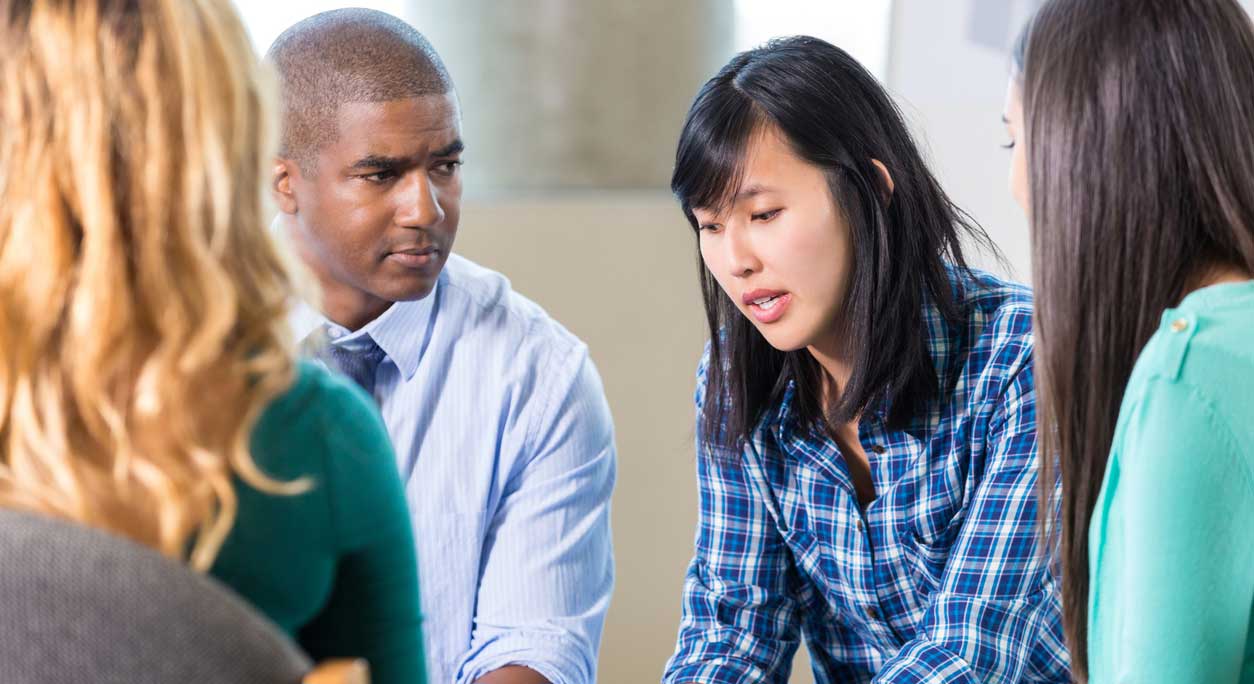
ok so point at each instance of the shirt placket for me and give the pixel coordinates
(880, 612)
(904, 467)
(853, 592)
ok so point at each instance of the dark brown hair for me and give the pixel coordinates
(1140, 142)
(835, 115)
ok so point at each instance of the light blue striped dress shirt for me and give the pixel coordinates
(506, 447)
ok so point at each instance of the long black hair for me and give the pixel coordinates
(1140, 158)
(835, 115)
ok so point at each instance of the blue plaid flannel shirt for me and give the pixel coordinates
(940, 580)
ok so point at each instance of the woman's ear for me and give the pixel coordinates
(887, 178)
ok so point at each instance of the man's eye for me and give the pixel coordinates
(448, 168)
(380, 176)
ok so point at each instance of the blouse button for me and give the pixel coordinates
(1179, 325)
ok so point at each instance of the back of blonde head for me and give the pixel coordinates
(142, 302)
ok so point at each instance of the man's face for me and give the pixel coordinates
(376, 218)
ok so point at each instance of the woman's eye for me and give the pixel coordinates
(1009, 146)
(766, 215)
(708, 228)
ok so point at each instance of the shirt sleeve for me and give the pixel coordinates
(373, 609)
(1185, 579)
(994, 618)
(548, 568)
(740, 618)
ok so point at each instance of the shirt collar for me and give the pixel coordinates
(945, 346)
(401, 331)
(780, 420)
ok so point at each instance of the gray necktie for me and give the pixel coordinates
(358, 363)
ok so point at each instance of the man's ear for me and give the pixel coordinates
(887, 178)
(285, 173)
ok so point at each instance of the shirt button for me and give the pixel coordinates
(1179, 325)
(860, 526)
(878, 449)
(873, 612)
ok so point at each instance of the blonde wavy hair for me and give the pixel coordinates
(142, 301)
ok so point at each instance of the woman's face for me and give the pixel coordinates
(1012, 115)
(781, 251)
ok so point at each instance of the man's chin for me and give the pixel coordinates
(404, 284)
(409, 293)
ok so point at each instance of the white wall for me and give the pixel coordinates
(952, 92)
(860, 28)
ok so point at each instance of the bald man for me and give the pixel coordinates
(502, 433)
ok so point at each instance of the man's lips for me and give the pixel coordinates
(414, 257)
(416, 251)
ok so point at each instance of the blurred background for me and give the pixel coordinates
(571, 112)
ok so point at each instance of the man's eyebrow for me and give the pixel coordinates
(455, 147)
(378, 161)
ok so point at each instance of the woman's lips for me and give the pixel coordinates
(768, 307)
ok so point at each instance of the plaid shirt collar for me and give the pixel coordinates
(945, 345)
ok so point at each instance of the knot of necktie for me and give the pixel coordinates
(359, 362)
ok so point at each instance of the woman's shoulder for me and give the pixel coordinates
(1202, 355)
(1176, 425)
(326, 428)
(1212, 330)
(320, 414)
(990, 298)
(1204, 342)
(315, 387)
(998, 338)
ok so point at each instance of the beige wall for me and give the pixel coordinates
(618, 270)
(571, 94)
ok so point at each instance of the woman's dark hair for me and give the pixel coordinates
(1140, 158)
(835, 115)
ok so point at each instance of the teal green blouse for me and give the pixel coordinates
(1172, 538)
(334, 567)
